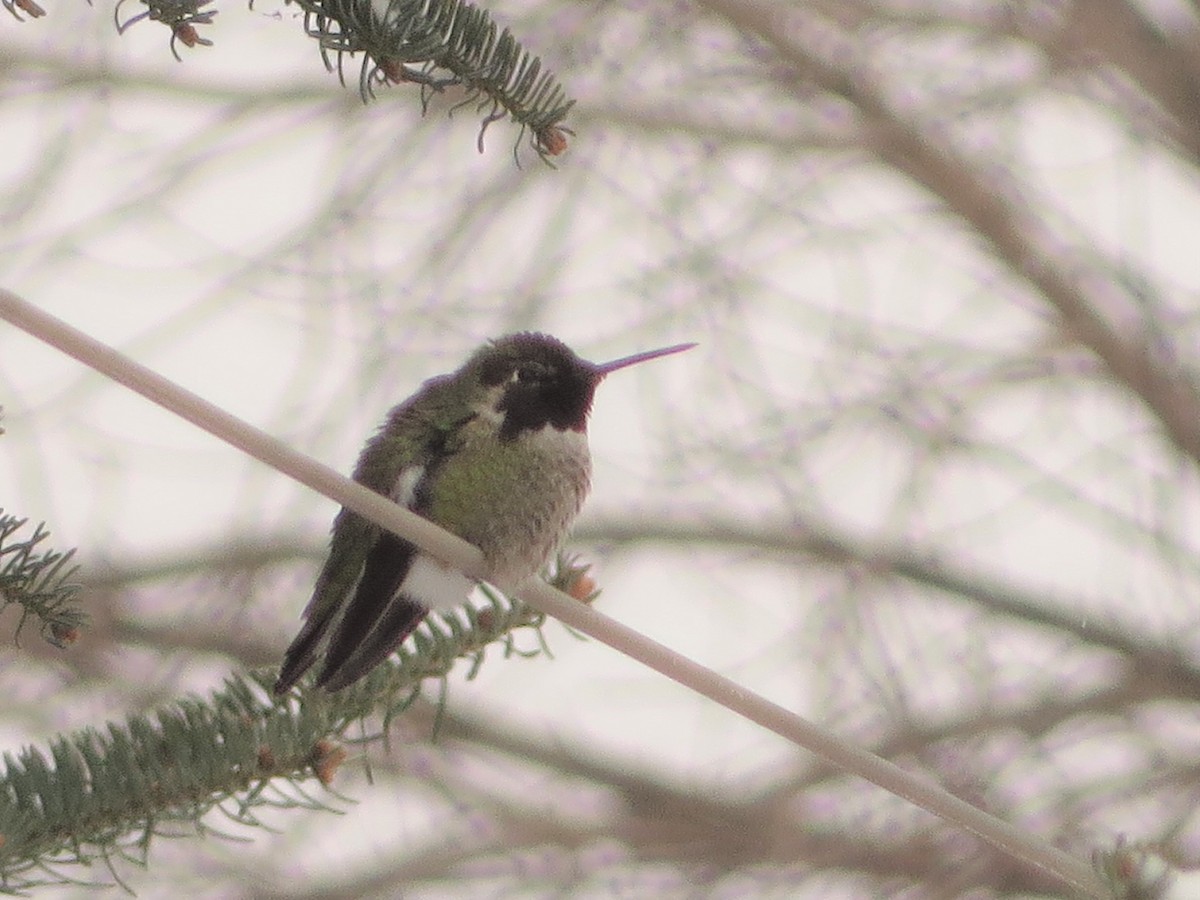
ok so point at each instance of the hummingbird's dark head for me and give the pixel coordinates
(535, 380)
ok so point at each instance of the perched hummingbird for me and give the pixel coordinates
(496, 453)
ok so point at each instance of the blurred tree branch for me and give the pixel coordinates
(994, 209)
(934, 482)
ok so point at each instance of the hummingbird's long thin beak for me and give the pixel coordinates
(602, 369)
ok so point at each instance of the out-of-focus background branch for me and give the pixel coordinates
(930, 478)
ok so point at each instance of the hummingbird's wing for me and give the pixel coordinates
(353, 537)
(357, 602)
(379, 617)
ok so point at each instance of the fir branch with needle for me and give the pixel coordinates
(438, 44)
(40, 581)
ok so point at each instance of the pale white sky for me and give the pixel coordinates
(178, 226)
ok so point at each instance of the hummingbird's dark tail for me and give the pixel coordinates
(397, 622)
(378, 617)
(368, 616)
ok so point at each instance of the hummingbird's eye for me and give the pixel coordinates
(527, 373)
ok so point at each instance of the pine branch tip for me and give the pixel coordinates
(409, 41)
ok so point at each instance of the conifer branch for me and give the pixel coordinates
(439, 44)
(40, 581)
(181, 16)
(103, 795)
(436, 44)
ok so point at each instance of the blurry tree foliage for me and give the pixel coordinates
(930, 478)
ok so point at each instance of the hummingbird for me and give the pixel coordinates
(495, 452)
